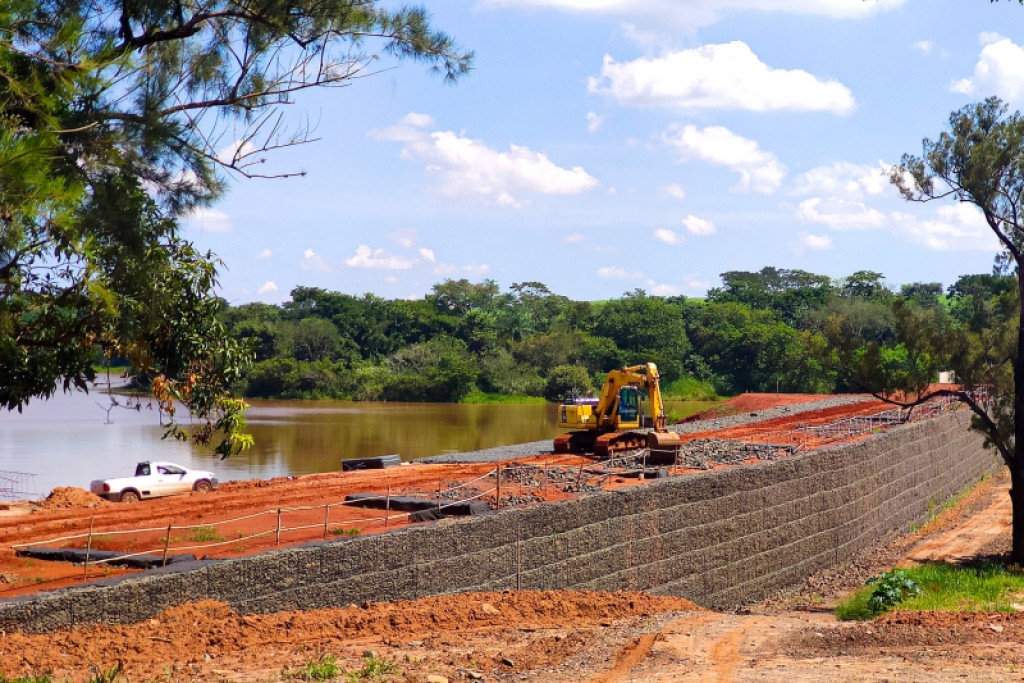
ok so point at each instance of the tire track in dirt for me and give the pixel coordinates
(627, 658)
(966, 541)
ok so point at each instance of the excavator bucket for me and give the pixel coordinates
(663, 440)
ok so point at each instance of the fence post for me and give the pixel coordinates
(387, 507)
(643, 466)
(167, 543)
(88, 549)
(278, 526)
(497, 501)
(327, 518)
(438, 495)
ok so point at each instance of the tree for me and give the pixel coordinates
(648, 328)
(116, 118)
(567, 380)
(979, 160)
(789, 293)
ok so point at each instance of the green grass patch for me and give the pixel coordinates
(373, 668)
(690, 389)
(977, 587)
(323, 668)
(45, 677)
(204, 534)
(485, 397)
(342, 531)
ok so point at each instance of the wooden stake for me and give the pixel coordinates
(387, 508)
(88, 549)
(279, 526)
(167, 543)
(327, 518)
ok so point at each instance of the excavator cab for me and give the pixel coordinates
(628, 410)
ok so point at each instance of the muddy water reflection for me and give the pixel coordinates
(66, 442)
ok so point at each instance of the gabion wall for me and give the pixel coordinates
(720, 538)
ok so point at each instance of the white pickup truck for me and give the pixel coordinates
(154, 479)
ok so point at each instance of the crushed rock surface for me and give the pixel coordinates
(523, 450)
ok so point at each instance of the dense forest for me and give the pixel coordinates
(773, 330)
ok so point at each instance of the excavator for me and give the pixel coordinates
(610, 424)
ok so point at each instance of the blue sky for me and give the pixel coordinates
(601, 146)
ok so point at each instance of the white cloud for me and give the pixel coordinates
(839, 214)
(594, 121)
(235, 152)
(618, 272)
(427, 255)
(464, 167)
(697, 285)
(925, 46)
(844, 179)
(574, 238)
(759, 171)
(472, 270)
(662, 289)
(265, 254)
(405, 238)
(698, 226)
(695, 13)
(268, 286)
(956, 227)
(378, 260)
(209, 220)
(409, 129)
(668, 236)
(1000, 70)
(314, 261)
(724, 76)
(811, 241)
(675, 191)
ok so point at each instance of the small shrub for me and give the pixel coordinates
(342, 531)
(373, 667)
(323, 668)
(891, 588)
(204, 534)
(105, 676)
(881, 593)
(42, 677)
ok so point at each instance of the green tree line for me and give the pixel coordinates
(771, 330)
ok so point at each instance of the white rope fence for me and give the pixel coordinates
(279, 527)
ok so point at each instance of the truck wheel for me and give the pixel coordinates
(129, 497)
(202, 486)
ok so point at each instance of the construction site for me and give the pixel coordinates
(756, 496)
(247, 517)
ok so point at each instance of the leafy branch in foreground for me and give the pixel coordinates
(117, 118)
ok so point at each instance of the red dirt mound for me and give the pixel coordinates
(199, 636)
(751, 402)
(72, 497)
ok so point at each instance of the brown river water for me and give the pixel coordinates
(69, 441)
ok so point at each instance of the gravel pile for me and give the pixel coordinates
(523, 450)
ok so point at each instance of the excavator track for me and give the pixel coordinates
(613, 443)
(574, 442)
